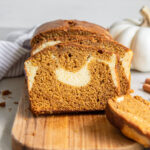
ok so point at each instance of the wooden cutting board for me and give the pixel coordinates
(66, 132)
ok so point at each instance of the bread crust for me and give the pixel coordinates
(66, 25)
(129, 129)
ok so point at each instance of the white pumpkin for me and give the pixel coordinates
(135, 36)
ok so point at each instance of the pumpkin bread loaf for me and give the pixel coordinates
(84, 33)
(71, 78)
(132, 116)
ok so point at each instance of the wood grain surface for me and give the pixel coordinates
(66, 132)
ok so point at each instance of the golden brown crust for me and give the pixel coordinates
(37, 113)
(74, 24)
(128, 128)
(70, 25)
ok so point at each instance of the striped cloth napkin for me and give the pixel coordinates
(14, 51)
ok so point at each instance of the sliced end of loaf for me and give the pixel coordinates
(70, 77)
(131, 116)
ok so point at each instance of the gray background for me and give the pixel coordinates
(26, 13)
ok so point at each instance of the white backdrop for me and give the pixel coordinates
(26, 13)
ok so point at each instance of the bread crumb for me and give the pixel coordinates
(131, 91)
(6, 92)
(9, 109)
(15, 102)
(33, 134)
(2, 104)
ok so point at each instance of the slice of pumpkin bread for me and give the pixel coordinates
(71, 78)
(84, 33)
(132, 116)
(125, 58)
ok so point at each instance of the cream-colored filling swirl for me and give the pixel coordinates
(44, 45)
(80, 78)
(83, 77)
(126, 62)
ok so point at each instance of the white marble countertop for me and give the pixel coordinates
(24, 14)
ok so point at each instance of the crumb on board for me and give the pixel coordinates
(15, 102)
(33, 134)
(2, 104)
(9, 109)
(131, 91)
(6, 92)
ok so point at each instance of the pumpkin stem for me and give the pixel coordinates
(145, 12)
